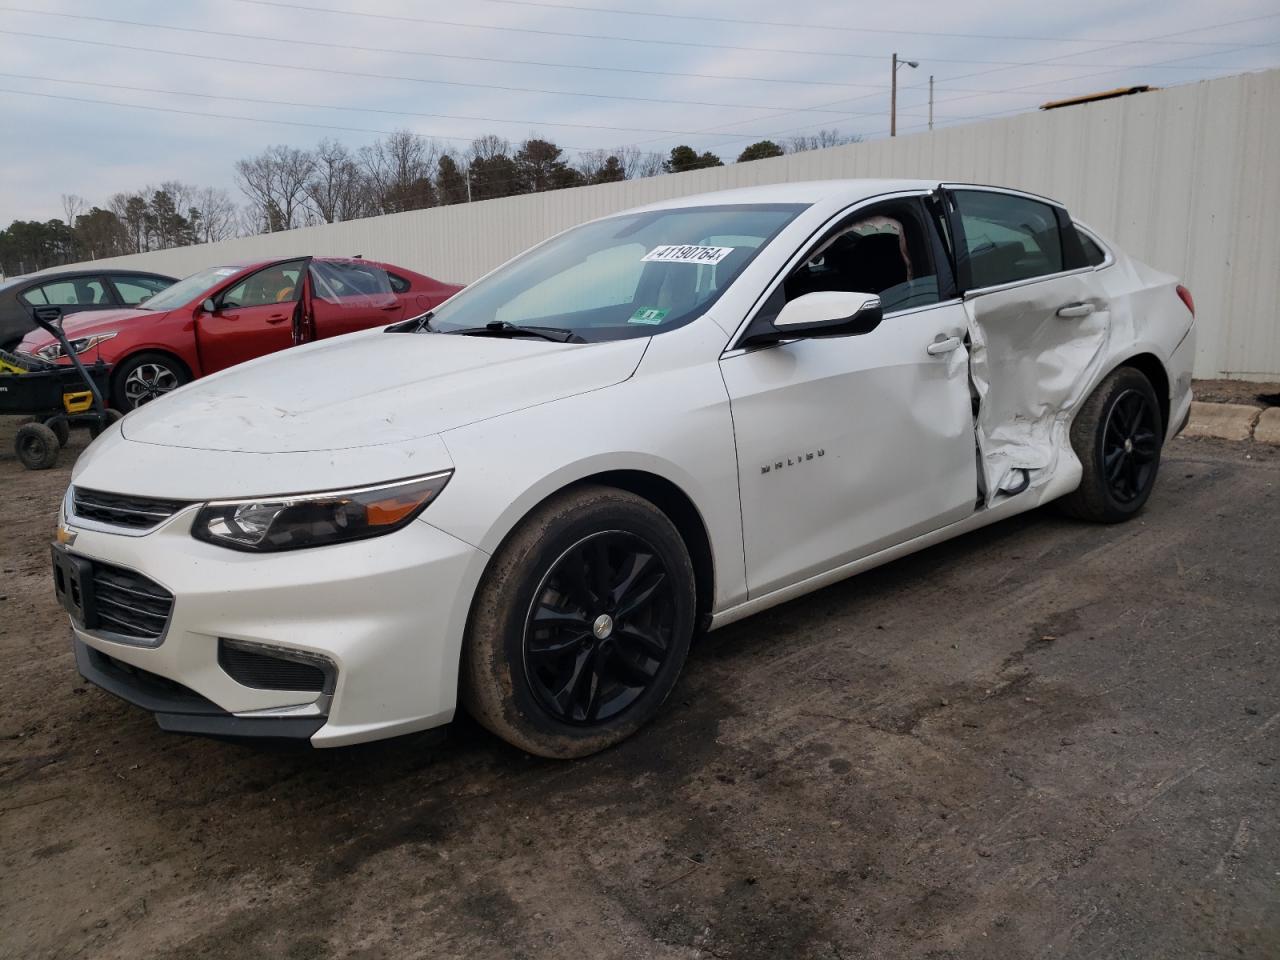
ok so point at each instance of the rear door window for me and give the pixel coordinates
(1007, 238)
(83, 291)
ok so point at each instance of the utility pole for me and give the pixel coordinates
(931, 101)
(893, 93)
(893, 99)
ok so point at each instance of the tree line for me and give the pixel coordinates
(288, 187)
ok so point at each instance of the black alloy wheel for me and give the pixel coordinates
(600, 628)
(1117, 434)
(581, 623)
(1130, 446)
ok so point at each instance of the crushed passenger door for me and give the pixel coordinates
(1034, 350)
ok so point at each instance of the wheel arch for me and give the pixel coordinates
(118, 365)
(674, 503)
(1152, 367)
(167, 352)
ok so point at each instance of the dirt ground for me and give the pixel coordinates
(1046, 739)
(1238, 391)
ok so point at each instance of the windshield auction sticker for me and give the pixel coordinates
(649, 315)
(686, 253)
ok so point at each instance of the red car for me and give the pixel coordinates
(226, 315)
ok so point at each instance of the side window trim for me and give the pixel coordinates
(818, 236)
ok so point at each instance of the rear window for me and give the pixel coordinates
(1094, 255)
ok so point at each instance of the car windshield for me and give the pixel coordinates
(628, 276)
(188, 289)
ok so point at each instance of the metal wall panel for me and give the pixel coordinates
(1187, 179)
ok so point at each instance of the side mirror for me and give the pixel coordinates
(209, 306)
(826, 313)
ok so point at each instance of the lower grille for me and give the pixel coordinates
(121, 510)
(130, 604)
(255, 668)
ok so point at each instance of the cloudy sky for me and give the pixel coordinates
(99, 98)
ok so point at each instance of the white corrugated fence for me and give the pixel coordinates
(1186, 178)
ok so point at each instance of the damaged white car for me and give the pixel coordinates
(654, 423)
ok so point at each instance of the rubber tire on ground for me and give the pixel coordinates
(1093, 500)
(97, 428)
(61, 429)
(36, 446)
(494, 688)
(118, 377)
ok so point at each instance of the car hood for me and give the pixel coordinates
(373, 388)
(77, 325)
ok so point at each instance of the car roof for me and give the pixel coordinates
(820, 191)
(807, 191)
(56, 275)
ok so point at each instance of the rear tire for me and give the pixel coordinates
(581, 624)
(1117, 435)
(144, 377)
(36, 446)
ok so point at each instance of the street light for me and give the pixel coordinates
(893, 95)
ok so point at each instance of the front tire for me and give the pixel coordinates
(581, 625)
(1117, 435)
(144, 377)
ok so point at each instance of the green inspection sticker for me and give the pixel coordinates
(651, 315)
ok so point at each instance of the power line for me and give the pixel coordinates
(599, 36)
(333, 106)
(421, 53)
(230, 116)
(333, 71)
(487, 180)
(828, 27)
(1048, 61)
(294, 41)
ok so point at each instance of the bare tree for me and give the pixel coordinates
(214, 214)
(821, 140)
(72, 206)
(275, 181)
(637, 163)
(399, 171)
(337, 188)
(488, 147)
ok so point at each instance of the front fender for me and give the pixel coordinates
(676, 426)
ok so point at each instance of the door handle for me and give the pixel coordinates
(392, 306)
(277, 318)
(939, 347)
(1073, 310)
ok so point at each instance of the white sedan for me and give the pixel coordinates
(660, 422)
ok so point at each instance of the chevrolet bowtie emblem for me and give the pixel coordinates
(65, 536)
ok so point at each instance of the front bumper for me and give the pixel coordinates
(387, 613)
(180, 710)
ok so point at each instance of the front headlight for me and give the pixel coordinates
(54, 350)
(269, 524)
